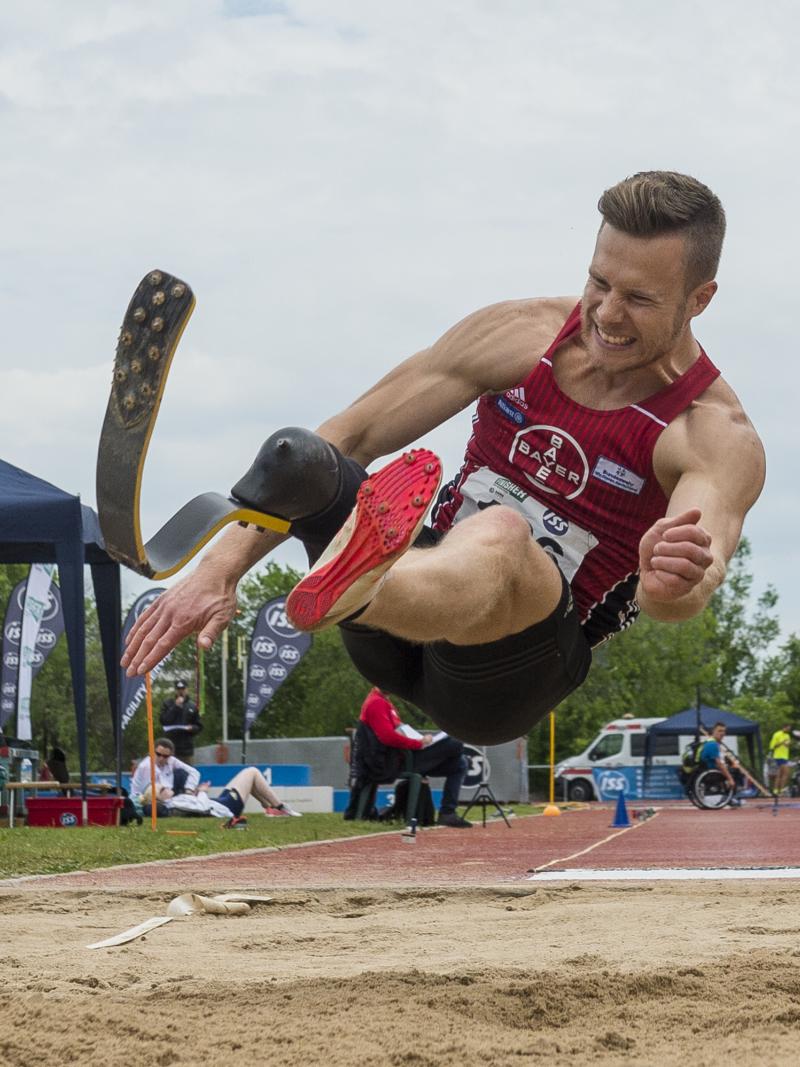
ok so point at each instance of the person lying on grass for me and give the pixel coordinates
(178, 789)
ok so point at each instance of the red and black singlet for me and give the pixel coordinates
(582, 478)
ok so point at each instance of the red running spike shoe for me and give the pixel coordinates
(390, 509)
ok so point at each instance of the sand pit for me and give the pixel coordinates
(702, 974)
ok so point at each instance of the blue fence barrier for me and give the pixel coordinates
(384, 798)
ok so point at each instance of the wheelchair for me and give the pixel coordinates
(708, 789)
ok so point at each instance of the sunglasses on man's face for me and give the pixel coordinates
(163, 755)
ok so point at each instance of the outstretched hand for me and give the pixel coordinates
(199, 604)
(674, 556)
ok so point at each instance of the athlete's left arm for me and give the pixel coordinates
(716, 462)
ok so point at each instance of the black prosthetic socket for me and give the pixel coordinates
(301, 477)
(317, 531)
(295, 474)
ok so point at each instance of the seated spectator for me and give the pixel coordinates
(178, 789)
(443, 757)
(712, 755)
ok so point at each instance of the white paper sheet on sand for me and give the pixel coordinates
(182, 906)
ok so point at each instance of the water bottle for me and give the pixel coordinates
(26, 770)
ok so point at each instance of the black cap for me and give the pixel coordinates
(180, 684)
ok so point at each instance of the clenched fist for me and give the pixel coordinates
(674, 556)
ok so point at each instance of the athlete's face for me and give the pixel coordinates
(635, 308)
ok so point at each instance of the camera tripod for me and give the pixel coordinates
(484, 796)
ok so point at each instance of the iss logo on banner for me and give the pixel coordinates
(610, 783)
(276, 648)
(50, 629)
(478, 767)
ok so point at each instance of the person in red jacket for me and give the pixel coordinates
(440, 758)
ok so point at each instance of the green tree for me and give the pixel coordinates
(742, 638)
(10, 574)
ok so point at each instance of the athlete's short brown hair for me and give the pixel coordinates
(656, 202)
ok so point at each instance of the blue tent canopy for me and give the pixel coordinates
(701, 719)
(40, 523)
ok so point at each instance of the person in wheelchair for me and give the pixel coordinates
(710, 775)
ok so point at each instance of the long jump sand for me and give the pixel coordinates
(702, 973)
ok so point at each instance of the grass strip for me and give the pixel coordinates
(28, 850)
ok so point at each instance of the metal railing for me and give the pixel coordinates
(539, 784)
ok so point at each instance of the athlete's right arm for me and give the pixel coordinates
(489, 351)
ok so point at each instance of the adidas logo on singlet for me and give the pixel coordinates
(517, 395)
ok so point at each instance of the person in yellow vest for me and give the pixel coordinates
(778, 752)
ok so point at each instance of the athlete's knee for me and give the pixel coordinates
(503, 541)
(501, 529)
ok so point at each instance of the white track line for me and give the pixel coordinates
(597, 844)
(666, 874)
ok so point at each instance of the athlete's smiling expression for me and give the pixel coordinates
(636, 309)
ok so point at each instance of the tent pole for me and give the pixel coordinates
(108, 604)
(69, 557)
(151, 748)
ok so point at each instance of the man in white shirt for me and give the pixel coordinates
(178, 788)
(173, 776)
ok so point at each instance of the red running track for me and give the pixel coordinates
(677, 836)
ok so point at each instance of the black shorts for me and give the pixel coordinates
(232, 801)
(481, 694)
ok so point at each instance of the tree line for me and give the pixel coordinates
(731, 654)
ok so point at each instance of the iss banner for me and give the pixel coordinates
(275, 650)
(132, 690)
(51, 627)
(37, 604)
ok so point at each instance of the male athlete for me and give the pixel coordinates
(609, 471)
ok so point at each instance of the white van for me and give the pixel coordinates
(620, 743)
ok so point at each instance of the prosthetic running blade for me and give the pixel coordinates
(152, 327)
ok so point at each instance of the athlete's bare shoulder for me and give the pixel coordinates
(497, 346)
(714, 436)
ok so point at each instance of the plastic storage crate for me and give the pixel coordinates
(66, 811)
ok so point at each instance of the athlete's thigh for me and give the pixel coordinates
(242, 782)
(491, 693)
(505, 576)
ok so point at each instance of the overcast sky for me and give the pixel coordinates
(339, 183)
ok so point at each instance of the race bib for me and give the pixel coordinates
(566, 542)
